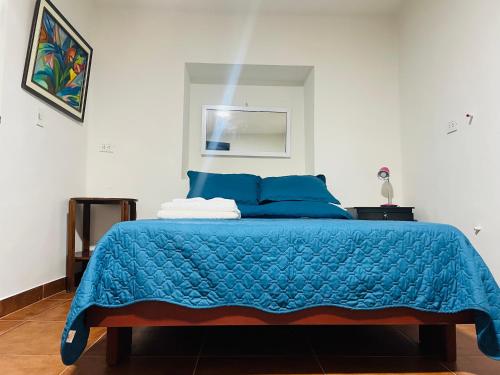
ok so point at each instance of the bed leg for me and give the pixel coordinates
(439, 341)
(119, 342)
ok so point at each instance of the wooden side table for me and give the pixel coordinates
(128, 212)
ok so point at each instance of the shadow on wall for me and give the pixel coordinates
(102, 218)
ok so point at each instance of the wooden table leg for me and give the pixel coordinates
(133, 210)
(70, 246)
(439, 341)
(86, 230)
(119, 343)
(125, 211)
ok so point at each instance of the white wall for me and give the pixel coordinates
(185, 123)
(450, 65)
(40, 167)
(309, 122)
(3, 45)
(256, 96)
(139, 84)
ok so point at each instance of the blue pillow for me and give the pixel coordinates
(243, 188)
(295, 188)
(322, 177)
(297, 209)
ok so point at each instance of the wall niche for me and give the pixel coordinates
(284, 86)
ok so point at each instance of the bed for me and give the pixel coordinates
(280, 272)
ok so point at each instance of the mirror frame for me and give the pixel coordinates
(205, 152)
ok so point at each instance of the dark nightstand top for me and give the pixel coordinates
(100, 200)
(382, 213)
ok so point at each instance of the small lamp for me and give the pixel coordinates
(385, 174)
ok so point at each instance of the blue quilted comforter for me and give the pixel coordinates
(284, 265)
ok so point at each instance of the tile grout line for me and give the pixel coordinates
(446, 368)
(408, 338)
(29, 355)
(315, 355)
(21, 322)
(405, 336)
(31, 304)
(64, 370)
(61, 302)
(202, 346)
(39, 321)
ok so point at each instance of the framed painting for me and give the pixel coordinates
(58, 62)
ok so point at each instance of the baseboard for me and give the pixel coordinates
(28, 297)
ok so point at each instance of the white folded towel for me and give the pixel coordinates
(197, 214)
(201, 204)
(199, 208)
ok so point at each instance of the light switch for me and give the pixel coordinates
(40, 118)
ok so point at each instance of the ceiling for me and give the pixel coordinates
(294, 7)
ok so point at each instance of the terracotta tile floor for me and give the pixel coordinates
(29, 344)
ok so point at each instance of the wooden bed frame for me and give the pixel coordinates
(437, 333)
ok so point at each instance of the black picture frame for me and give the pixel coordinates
(40, 92)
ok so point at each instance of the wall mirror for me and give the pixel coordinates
(245, 131)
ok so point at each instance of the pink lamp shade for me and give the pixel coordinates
(384, 173)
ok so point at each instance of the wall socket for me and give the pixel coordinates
(452, 127)
(107, 148)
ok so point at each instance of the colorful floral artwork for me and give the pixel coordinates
(58, 62)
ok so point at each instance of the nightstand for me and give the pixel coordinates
(382, 213)
(128, 212)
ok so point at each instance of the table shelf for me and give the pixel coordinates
(80, 257)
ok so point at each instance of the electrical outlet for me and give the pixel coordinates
(452, 127)
(106, 148)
